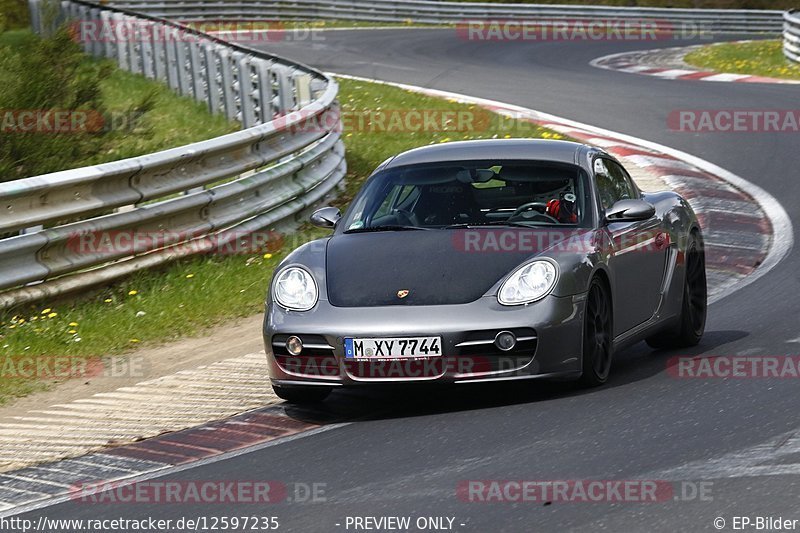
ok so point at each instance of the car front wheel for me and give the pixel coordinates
(692, 322)
(597, 336)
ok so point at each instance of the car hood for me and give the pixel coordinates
(439, 267)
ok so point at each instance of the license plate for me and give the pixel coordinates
(393, 348)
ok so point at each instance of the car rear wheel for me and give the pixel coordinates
(597, 336)
(692, 322)
(301, 394)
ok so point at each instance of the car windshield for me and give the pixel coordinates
(472, 193)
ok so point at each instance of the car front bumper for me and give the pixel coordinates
(549, 342)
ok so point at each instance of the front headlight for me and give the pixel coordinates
(528, 283)
(296, 289)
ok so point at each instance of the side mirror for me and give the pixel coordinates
(630, 211)
(326, 217)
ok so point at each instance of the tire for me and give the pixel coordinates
(301, 394)
(598, 346)
(692, 322)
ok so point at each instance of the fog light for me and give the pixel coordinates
(294, 345)
(505, 341)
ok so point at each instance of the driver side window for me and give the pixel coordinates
(613, 183)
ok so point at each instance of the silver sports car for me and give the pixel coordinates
(483, 261)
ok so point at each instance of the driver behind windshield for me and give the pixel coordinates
(472, 194)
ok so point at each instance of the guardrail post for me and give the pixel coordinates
(197, 71)
(28, 231)
(791, 35)
(212, 80)
(107, 44)
(302, 87)
(284, 99)
(182, 64)
(118, 19)
(159, 56)
(134, 45)
(84, 20)
(228, 90)
(146, 50)
(95, 42)
(35, 10)
(172, 64)
(264, 76)
(248, 108)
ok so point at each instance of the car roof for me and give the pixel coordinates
(490, 149)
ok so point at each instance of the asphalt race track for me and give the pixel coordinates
(404, 453)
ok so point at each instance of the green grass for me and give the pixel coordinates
(140, 116)
(758, 58)
(173, 121)
(17, 39)
(187, 298)
(367, 148)
(13, 14)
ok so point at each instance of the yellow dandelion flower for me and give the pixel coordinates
(108, 300)
(133, 293)
(73, 324)
(51, 315)
(135, 341)
(267, 256)
(46, 311)
(72, 331)
(189, 276)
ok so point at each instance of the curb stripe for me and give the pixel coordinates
(27, 486)
(646, 62)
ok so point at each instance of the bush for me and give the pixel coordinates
(13, 14)
(51, 75)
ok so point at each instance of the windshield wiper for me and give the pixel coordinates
(387, 227)
(492, 223)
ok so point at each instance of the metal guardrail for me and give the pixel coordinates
(209, 194)
(791, 35)
(440, 12)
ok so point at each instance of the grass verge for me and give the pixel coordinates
(757, 58)
(189, 297)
